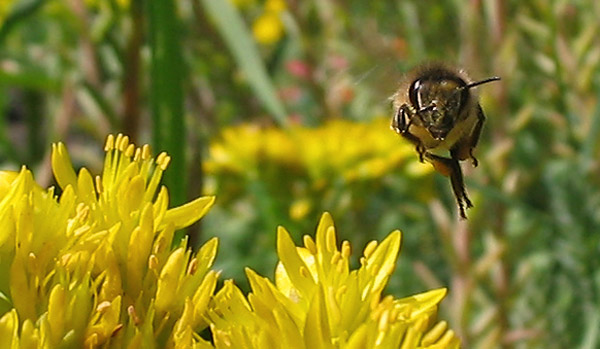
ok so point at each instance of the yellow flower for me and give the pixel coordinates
(6, 180)
(268, 28)
(324, 153)
(93, 266)
(300, 208)
(317, 301)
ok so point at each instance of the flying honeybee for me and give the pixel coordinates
(437, 110)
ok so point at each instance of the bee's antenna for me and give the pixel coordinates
(477, 83)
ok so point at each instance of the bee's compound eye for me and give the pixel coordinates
(412, 92)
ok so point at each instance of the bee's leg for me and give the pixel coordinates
(402, 119)
(400, 124)
(421, 151)
(451, 168)
(460, 179)
(463, 149)
(418, 145)
(475, 134)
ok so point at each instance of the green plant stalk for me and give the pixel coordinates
(131, 81)
(166, 94)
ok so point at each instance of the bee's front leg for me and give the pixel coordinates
(401, 123)
(451, 167)
(403, 119)
(421, 151)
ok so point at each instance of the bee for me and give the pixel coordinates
(437, 110)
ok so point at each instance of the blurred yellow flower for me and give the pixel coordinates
(300, 208)
(93, 266)
(312, 165)
(339, 148)
(318, 302)
(268, 28)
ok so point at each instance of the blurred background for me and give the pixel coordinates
(281, 109)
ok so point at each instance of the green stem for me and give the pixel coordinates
(131, 81)
(166, 94)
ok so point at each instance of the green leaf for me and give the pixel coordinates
(19, 14)
(236, 35)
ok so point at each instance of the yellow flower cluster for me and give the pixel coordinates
(93, 267)
(318, 302)
(338, 149)
(310, 161)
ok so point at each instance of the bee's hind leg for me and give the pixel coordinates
(475, 135)
(451, 168)
(463, 149)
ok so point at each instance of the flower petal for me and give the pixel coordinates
(9, 330)
(295, 267)
(382, 262)
(184, 215)
(317, 333)
(62, 166)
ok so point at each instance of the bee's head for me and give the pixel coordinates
(440, 98)
(439, 101)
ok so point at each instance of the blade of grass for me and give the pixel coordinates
(23, 10)
(131, 81)
(166, 94)
(101, 102)
(30, 78)
(237, 38)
